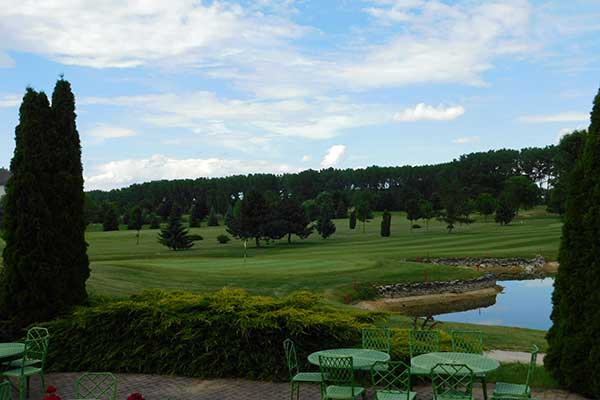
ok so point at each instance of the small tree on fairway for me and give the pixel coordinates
(573, 356)
(522, 191)
(505, 210)
(110, 222)
(413, 211)
(386, 223)
(352, 219)
(250, 215)
(174, 235)
(325, 225)
(213, 219)
(362, 207)
(426, 211)
(295, 219)
(342, 210)
(486, 205)
(196, 215)
(136, 222)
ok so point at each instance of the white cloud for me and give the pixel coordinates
(103, 132)
(438, 42)
(10, 100)
(559, 117)
(114, 33)
(423, 111)
(125, 172)
(333, 156)
(306, 158)
(466, 140)
(257, 120)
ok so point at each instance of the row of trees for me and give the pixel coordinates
(389, 187)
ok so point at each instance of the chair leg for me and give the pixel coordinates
(43, 382)
(484, 388)
(28, 386)
(292, 389)
(21, 389)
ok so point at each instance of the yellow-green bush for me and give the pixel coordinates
(224, 334)
(400, 349)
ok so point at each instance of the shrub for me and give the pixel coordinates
(224, 334)
(416, 226)
(361, 291)
(223, 239)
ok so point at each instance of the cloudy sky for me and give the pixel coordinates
(188, 88)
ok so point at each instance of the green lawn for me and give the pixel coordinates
(120, 267)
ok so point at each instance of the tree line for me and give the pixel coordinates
(539, 175)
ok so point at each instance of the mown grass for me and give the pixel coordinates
(121, 267)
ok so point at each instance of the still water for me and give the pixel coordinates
(524, 304)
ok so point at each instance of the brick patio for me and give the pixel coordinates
(156, 387)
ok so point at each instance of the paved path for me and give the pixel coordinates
(156, 387)
(514, 356)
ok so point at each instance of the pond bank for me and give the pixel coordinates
(501, 268)
(435, 303)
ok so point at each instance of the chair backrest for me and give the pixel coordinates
(532, 364)
(423, 341)
(377, 339)
(391, 376)
(5, 391)
(291, 358)
(337, 370)
(96, 385)
(36, 349)
(452, 381)
(467, 342)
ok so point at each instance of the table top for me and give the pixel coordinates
(478, 363)
(361, 358)
(8, 350)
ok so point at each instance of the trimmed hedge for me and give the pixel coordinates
(224, 334)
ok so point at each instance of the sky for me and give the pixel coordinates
(185, 89)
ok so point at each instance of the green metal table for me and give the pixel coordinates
(480, 365)
(362, 359)
(11, 350)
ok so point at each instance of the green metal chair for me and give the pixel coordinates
(32, 334)
(338, 375)
(96, 385)
(452, 382)
(422, 342)
(377, 339)
(512, 390)
(5, 390)
(32, 363)
(297, 377)
(391, 381)
(467, 342)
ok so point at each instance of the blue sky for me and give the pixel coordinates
(183, 89)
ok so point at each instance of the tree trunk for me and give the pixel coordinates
(289, 238)
(257, 241)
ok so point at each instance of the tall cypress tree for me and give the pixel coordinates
(68, 199)
(386, 223)
(574, 349)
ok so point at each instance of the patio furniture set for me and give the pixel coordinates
(452, 373)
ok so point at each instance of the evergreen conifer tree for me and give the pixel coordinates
(352, 219)
(213, 219)
(324, 224)
(386, 223)
(174, 235)
(573, 355)
(506, 211)
(110, 222)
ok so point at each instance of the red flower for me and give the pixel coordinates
(135, 396)
(51, 389)
(52, 396)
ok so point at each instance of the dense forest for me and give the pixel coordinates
(390, 188)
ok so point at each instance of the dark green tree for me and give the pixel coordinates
(486, 205)
(45, 259)
(250, 215)
(342, 210)
(362, 206)
(213, 219)
(352, 219)
(573, 356)
(196, 215)
(386, 223)
(426, 211)
(324, 224)
(295, 219)
(311, 209)
(506, 209)
(110, 222)
(522, 192)
(456, 208)
(413, 211)
(174, 235)
(136, 222)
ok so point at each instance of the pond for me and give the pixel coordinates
(524, 304)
